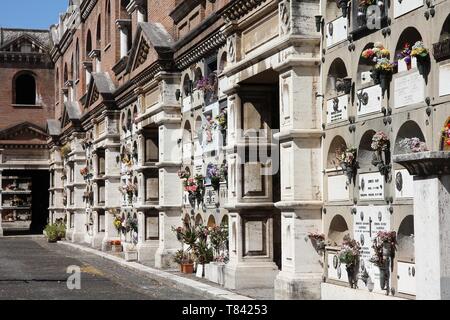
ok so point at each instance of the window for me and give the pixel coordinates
(99, 32)
(25, 89)
(88, 43)
(77, 61)
(57, 85)
(108, 22)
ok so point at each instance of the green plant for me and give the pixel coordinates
(179, 257)
(51, 232)
(61, 230)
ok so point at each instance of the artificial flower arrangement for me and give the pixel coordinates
(380, 141)
(213, 174)
(85, 173)
(349, 255)
(446, 137)
(318, 241)
(348, 162)
(128, 189)
(377, 52)
(381, 144)
(413, 145)
(221, 120)
(194, 186)
(208, 83)
(131, 224)
(417, 51)
(383, 68)
(384, 246)
(119, 223)
(208, 127)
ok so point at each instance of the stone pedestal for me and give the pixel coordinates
(77, 233)
(168, 242)
(302, 271)
(251, 263)
(431, 171)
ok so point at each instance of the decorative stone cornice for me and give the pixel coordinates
(239, 8)
(86, 8)
(214, 42)
(425, 164)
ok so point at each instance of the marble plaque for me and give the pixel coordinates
(254, 239)
(337, 188)
(402, 7)
(404, 187)
(444, 80)
(367, 222)
(406, 273)
(371, 186)
(337, 31)
(253, 179)
(101, 223)
(409, 89)
(337, 109)
(151, 227)
(336, 270)
(152, 189)
(373, 102)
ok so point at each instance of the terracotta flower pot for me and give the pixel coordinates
(187, 268)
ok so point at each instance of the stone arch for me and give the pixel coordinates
(338, 229)
(187, 85)
(410, 129)
(88, 43)
(405, 238)
(211, 221)
(224, 222)
(336, 145)
(223, 62)
(198, 220)
(336, 72)
(365, 152)
(409, 35)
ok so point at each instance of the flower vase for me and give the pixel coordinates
(385, 80)
(192, 198)
(351, 275)
(423, 65)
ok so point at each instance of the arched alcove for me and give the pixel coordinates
(338, 229)
(187, 140)
(136, 190)
(445, 31)
(25, 89)
(409, 129)
(364, 66)
(332, 10)
(198, 220)
(365, 151)
(198, 75)
(336, 73)
(211, 221)
(124, 121)
(187, 86)
(405, 238)
(337, 145)
(223, 62)
(409, 36)
(129, 120)
(224, 223)
(88, 43)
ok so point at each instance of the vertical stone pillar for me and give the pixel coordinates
(123, 26)
(301, 187)
(1, 201)
(431, 171)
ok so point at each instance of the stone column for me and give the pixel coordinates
(301, 186)
(431, 171)
(123, 26)
(1, 201)
(88, 69)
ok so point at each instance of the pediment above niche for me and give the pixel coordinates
(24, 132)
(24, 44)
(142, 54)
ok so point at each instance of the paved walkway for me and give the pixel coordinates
(31, 268)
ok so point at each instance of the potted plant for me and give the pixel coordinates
(349, 255)
(422, 55)
(116, 246)
(187, 264)
(348, 162)
(178, 258)
(51, 232)
(384, 246)
(218, 238)
(381, 157)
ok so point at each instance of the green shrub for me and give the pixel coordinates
(51, 232)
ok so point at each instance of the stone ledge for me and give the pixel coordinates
(335, 292)
(425, 163)
(181, 283)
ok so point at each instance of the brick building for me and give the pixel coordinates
(27, 101)
(144, 89)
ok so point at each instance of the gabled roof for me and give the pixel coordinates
(72, 113)
(100, 85)
(150, 36)
(40, 38)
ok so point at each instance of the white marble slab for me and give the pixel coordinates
(337, 111)
(409, 89)
(371, 186)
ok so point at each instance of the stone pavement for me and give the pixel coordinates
(182, 281)
(31, 268)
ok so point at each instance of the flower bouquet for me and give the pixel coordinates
(195, 187)
(446, 137)
(318, 241)
(86, 174)
(348, 163)
(349, 255)
(222, 120)
(213, 174)
(129, 189)
(384, 246)
(413, 145)
(118, 223)
(381, 145)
